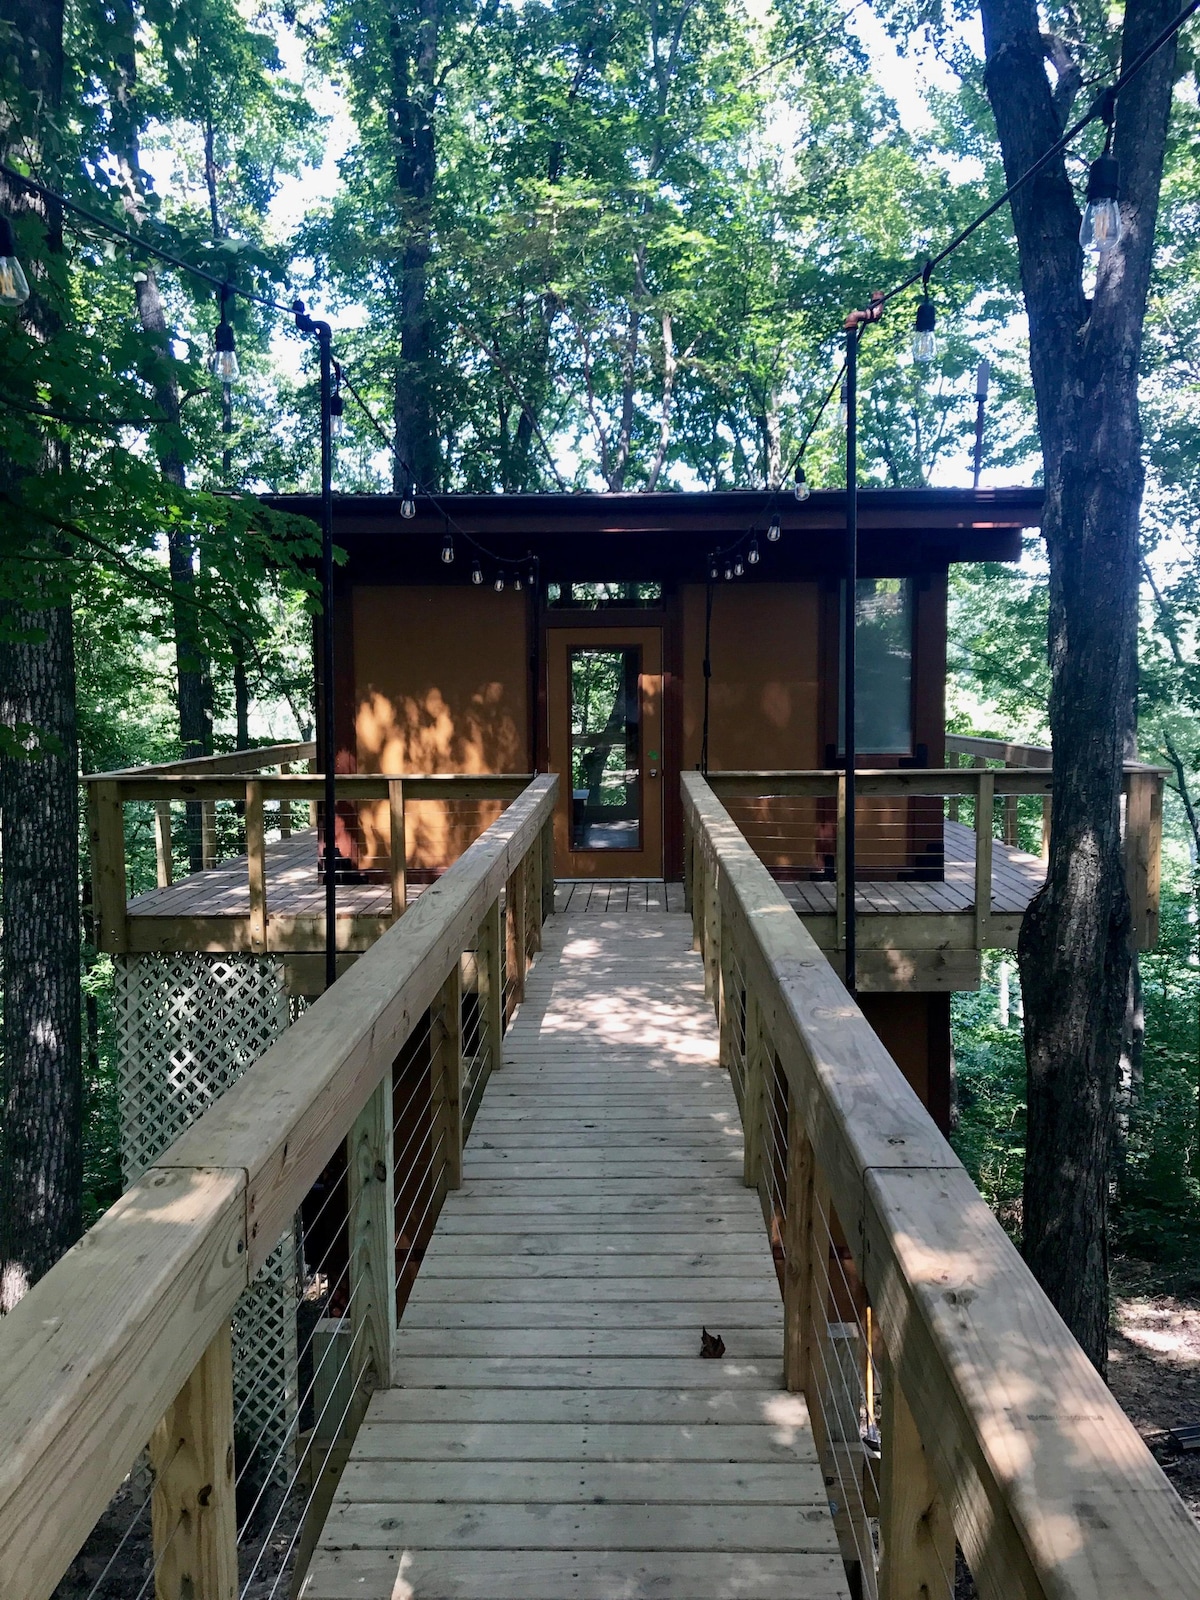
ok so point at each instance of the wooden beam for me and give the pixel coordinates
(984, 808)
(256, 865)
(193, 1509)
(163, 856)
(370, 1158)
(445, 1021)
(917, 1560)
(267, 755)
(397, 847)
(309, 786)
(107, 833)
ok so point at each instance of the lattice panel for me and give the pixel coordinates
(188, 1027)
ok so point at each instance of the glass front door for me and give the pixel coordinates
(604, 711)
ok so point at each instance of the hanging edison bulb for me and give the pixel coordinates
(498, 584)
(739, 568)
(801, 489)
(774, 532)
(225, 362)
(1100, 230)
(408, 505)
(752, 554)
(924, 345)
(476, 573)
(14, 286)
(448, 548)
(337, 414)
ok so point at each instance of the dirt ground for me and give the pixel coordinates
(1154, 1364)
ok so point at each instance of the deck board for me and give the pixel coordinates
(554, 1433)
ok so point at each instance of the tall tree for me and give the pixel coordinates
(1085, 356)
(41, 1162)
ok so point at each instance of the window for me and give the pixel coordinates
(600, 596)
(605, 758)
(883, 643)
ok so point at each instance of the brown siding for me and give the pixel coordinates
(441, 685)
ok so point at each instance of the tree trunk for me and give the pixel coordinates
(414, 56)
(41, 1168)
(1074, 946)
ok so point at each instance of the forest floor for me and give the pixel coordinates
(1154, 1362)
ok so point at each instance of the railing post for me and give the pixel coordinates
(548, 869)
(397, 847)
(489, 980)
(208, 833)
(256, 864)
(370, 1158)
(107, 829)
(752, 1107)
(841, 887)
(806, 1263)
(916, 1531)
(952, 800)
(726, 998)
(163, 859)
(712, 933)
(446, 1044)
(534, 898)
(285, 806)
(688, 846)
(699, 894)
(1012, 831)
(193, 1506)
(514, 926)
(984, 805)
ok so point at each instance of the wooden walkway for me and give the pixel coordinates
(553, 1431)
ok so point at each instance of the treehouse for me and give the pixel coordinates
(439, 1254)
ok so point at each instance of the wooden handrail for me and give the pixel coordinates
(252, 760)
(1051, 1490)
(1019, 755)
(95, 1353)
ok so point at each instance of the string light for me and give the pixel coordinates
(476, 573)
(517, 584)
(14, 286)
(337, 406)
(1100, 230)
(713, 572)
(843, 406)
(448, 547)
(801, 487)
(408, 505)
(498, 584)
(739, 568)
(752, 554)
(774, 532)
(225, 362)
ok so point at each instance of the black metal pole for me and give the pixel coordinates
(324, 343)
(849, 622)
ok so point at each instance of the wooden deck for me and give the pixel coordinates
(553, 1432)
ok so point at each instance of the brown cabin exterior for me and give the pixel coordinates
(436, 673)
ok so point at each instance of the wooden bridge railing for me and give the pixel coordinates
(900, 822)
(948, 1399)
(127, 1339)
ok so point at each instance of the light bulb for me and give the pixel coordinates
(337, 415)
(983, 374)
(448, 550)
(774, 531)
(498, 585)
(476, 572)
(728, 573)
(408, 506)
(14, 286)
(225, 362)
(924, 345)
(752, 553)
(844, 406)
(739, 568)
(517, 584)
(713, 573)
(801, 489)
(1100, 229)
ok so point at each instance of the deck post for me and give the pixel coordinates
(489, 979)
(712, 935)
(752, 1105)
(984, 804)
(548, 870)
(193, 1506)
(256, 865)
(445, 1032)
(698, 895)
(397, 847)
(285, 806)
(162, 844)
(107, 831)
(514, 928)
(916, 1530)
(952, 800)
(1012, 831)
(806, 1256)
(534, 899)
(841, 887)
(726, 999)
(370, 1159)
(688, 846)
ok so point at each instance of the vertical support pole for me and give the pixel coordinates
(916, 1532)
(285, 806)
(107, 830)
(372, 1247)
(490, 982)
(841, 887)
(256, 865)
(753, 1106)
(162, 844)
(446, 1044)
(192, 1508)
(208, 834)
(514, 921)
(313, 805)
(984, 805)
(397, 847)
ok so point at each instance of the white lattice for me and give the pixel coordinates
(188, 1026)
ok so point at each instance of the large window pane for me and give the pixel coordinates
(883, 642)
(605, 777)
